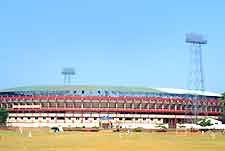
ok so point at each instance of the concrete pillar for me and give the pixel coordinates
(201, 108)
(64, 117)
(91, 104)
(206, 108)
(56, 104)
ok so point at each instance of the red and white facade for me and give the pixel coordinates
(87, 111)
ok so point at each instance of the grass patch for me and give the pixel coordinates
(107, 141)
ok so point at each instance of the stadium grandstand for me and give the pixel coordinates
(103, 106)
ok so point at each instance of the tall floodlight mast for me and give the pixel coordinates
(68, 73)
(196, 77)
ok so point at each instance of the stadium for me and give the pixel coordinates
(105, 106)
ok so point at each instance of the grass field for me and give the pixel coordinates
(42, 140)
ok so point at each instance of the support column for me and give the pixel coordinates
(73, 104)
(56, 121)
(47, 118)
(64, 117)
(99, 104)
(73, 117)
(107, 104)
(91, 104)
(116, 115)
(140, 107)
(32, 117)
(82, 105)
(64, 106)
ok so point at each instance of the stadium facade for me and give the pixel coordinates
(101, 106)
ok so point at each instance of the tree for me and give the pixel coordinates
(223, 107)
(223, 96)
(3, 116)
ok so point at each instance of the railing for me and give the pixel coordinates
(114, 110)
(19, 106)
(107, 98)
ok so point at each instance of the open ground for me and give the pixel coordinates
(42, 140)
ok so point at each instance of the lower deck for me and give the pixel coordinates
(95, 119)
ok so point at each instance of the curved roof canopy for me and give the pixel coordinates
(110, 88)
(80, 87)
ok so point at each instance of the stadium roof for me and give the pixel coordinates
(183, 91)
(111, 88)
(80, 87)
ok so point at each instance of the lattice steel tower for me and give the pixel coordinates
(196, 75)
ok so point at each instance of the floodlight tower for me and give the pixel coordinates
(196, 77)
(67, 73)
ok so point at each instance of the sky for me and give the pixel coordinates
(113, 42)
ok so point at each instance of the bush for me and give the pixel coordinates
(95, 127)
(55, 129)
(161, 126)
(205, 123)
(138, 129)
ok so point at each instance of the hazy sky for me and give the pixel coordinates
(109, 42)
